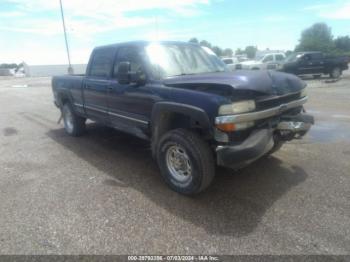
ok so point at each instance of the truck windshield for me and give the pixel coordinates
(169, 60)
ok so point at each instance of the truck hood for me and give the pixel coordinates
(260, 82)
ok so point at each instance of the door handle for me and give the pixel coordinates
(110, 87)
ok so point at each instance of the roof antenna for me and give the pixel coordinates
(156, 27)
(70, 68)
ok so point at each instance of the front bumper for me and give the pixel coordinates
(261, 141)
(256, 145)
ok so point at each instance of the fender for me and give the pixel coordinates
(161, 108)
(64, 94)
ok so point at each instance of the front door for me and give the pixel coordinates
(130, 105)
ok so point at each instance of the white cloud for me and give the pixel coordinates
(87, 18)
(38, 24)
(339, 10)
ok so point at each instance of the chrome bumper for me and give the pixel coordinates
(247, 117)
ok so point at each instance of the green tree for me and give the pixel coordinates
(194, 40)
(318, 37)
(239, 51)
(205, 43)
(228, 52)
(217, 50)
(342, 43)
(8, 66)
(289, 52)
(251, 51)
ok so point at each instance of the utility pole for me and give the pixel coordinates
(70, 68)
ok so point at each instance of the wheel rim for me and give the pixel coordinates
(179, 164)
(68, 120)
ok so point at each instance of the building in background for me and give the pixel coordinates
(49, 70)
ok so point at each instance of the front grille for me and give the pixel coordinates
(274, 101)
(238, 66)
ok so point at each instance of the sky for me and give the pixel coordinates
(31, 30)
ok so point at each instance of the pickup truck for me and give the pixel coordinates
(183, 99)
(316, 64)
(263, 62)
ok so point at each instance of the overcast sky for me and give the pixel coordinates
(31, 30)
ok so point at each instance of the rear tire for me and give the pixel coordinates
(317, 76)
(73, 124)
(336, 73)
(186, 161)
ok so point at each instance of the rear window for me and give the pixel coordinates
(315, 56)
(268, 58)
(101, 63)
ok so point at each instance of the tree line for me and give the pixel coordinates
(318, 37)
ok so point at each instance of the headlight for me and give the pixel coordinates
(237, 107)
(303, 92)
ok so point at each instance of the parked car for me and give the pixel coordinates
(316, 64)
(231, 62)
(266, 61)
(182, 99)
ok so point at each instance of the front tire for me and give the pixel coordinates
(73, 124)
(336, 73)
(186, 161)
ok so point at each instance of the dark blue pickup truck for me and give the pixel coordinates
(193, 110)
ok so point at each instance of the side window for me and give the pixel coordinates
(279, 57)
(101, 63)
(128, 54)
(316, 56)
(228, 61)
(306, 57)
(268, 58)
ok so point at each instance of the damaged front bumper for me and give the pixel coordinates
(261, 141)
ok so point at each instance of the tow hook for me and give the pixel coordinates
(294, 127)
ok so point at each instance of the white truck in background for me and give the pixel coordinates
(264, 61)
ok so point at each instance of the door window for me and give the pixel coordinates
(131, 55)
(101, 63)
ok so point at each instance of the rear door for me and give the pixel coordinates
(96, 83)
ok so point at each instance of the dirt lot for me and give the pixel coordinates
(102, 193)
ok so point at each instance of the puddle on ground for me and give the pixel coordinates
(329, 131)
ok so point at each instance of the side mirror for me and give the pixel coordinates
(125, 76)
(123, 73)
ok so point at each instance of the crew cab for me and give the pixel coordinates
(263, 61)
(316, 64)
(183, 100)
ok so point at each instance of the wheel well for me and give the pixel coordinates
(172, 120)
(63, 99)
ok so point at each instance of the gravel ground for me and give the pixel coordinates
(102, 193)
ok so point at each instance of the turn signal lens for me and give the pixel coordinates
(230, 127)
